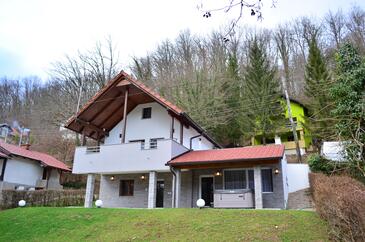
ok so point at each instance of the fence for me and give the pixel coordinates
(49, 198)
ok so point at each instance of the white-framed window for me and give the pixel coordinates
(238, 179)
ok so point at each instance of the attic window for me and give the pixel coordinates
(146, 113)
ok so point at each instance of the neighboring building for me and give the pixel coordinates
(333, 150)
(152, 154)
(6, 132)
(285, 136)
(21, 168)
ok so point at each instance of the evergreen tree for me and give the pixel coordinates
(263, 113)
(229, 133)
(348, 93)
(318, 81)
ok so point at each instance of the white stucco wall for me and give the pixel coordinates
(22, 171)
(158, 126)
(284, 170)
(297, 177)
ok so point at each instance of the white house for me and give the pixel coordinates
(21, 168)
(152, 154)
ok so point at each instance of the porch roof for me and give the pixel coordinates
(249, 154)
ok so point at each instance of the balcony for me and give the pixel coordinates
(126, 158)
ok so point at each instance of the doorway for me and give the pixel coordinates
(159, 194)
(207, 190)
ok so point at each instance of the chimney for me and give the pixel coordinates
(25, 146)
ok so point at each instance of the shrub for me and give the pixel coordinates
(318, 163)
(341, 201)
(51, 198)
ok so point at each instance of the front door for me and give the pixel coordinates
(207, 190)
(159, 194)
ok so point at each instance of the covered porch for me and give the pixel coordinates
(231, 178)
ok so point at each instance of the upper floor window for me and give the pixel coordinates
(146, 113)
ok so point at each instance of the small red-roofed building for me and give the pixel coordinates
(24, 169)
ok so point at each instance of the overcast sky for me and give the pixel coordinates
(34, 33)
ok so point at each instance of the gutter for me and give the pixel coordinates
(200, 130)
(191, 140)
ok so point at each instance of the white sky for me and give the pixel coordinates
(34, 33)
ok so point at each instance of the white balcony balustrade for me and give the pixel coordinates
(128, 157)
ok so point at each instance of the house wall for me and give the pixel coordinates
(276, 199)
(109, 190)
(22, 171)
(158, 126)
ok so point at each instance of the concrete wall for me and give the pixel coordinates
(297, 177)
(54, 180)
(158, 126)
(23, 171)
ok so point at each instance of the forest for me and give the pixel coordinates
(230, 86)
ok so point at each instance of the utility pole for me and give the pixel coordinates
(293, 125)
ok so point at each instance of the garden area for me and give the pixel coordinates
(79, 224)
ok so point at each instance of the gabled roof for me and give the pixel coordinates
(105, 109)
(249, 153)
(45, 159)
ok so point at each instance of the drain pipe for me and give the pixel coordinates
(191, 140)
(173, 186)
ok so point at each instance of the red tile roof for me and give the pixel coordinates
(135, 82)
(249, 153)
(34, 155)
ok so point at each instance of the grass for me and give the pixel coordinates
(79, 224)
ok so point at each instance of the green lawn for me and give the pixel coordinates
(79, 224)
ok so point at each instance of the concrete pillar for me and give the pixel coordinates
(258, 187)
(277, 140)
(178, 188)
(89, 194)
(152, 189)
(173, 192)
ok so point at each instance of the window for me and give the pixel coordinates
(153, 143)
(146, 113)
(266, 179)
(126, 187)
(235, 179)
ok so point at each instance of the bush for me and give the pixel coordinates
(51, 198)
(318, 163)
(341, 201)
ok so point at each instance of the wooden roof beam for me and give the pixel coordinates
(92, 126)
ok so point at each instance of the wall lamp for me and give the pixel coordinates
(276, 171)
(112, 178)
(218, 173)
(143, 177)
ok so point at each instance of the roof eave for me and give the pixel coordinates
(221, 161)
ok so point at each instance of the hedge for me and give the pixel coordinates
(49, 198)
(341, 201)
